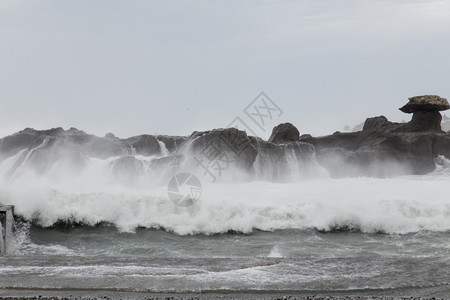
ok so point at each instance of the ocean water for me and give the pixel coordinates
(365, 236)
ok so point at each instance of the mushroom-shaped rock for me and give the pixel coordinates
(284, 133)
(425, 103)
(426, 116)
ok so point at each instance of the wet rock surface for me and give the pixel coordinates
(284, 133)
(385, 148)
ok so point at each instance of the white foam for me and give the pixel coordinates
(91, 195)
(398, 205)
(164, 151)
(275, 252)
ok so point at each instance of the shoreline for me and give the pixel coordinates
(69, 294)
(194, 296)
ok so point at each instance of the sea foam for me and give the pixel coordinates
(398, 205)
(91, 196)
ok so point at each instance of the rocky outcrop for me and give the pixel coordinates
(41, 149)
(385, 148)
(376, 123)
(172, 143)
(425, 110)
(382, 148)
(284, 133)
(145, 144)
(233, 152)
(228, 145)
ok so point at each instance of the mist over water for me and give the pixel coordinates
(135, 195)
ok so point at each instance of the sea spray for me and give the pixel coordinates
(287, 162)
(284, 188)
(164, 151)
(399, 205)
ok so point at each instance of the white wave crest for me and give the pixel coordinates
(400, 205)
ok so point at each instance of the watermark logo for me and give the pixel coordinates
(184, 189)
(261, 110)
(214, 158)
(234, 140)
(227, 148)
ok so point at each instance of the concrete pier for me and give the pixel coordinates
(6, 224)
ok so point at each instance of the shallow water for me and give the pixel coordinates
(102, 258)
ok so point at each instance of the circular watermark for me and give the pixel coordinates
(184, 189)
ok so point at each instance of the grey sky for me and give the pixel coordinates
(171, 67)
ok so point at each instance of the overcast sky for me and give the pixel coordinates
(172, 67)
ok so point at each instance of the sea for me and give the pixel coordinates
(87, 233)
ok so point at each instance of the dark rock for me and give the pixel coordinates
(94, 146)
(376, 123)
(172, 143)
(14, 143)
(11, 144)
(284, 133)
(426, 116)
(75, 131)
(382, 149)
(110, 135)
(304, 136)
(424, 121)
(234, 144)
(145, 144)
(429, 103)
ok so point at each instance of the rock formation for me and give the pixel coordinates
(426, 103)
(284, 133)
(382, 148)
(385, 148)
(41, 149)
(425, 110)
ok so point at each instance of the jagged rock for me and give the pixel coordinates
(429, 103)
(376, 123)
(13, 143)
(284, 133)
(172, 143)
(384, 148)
(233, 144)
(376, 153)
(145, 144)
